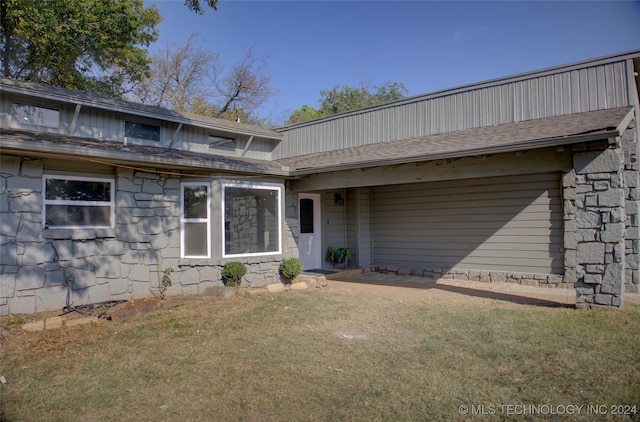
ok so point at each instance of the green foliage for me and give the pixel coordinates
(337, 255)
(88, 45)
(303, 114)
(346, 98)
(165, 282)
(197, 7)
(290, 268)
(233, 272)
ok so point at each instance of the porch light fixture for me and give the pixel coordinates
(338, 199)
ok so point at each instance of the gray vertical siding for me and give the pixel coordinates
(501, 223)
(98, 124)
(544, 94)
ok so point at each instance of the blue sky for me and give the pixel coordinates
(426, 45)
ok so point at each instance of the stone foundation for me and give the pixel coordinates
(530, 279)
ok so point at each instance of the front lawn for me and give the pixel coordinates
(330, 355)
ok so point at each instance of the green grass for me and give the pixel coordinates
(326, 356)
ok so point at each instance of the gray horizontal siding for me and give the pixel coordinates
(596, 87)
(500, 223)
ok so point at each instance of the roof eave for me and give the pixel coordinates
(534, 144)
(124, 157)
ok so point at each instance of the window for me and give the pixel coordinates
(78, 202)
(251, 219)
(33, 115)
(225, 144)
(306, 215)
(141, 131)
(195, 233)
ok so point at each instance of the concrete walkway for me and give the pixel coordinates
(512, 292)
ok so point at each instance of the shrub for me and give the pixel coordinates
(233, 272)
(165, 282)
(290, 268)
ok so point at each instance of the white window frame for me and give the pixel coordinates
(184, 220)
(262, 186)
(110, 203)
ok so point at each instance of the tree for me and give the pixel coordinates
(346, 98)
(88, 45)
(196, 7)
(189, 78)
(177, 76)
(245, 88)
(303, 114)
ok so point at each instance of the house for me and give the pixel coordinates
(529, 179)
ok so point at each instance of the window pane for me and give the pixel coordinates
(73, 215)
(251, 220)
(33, 115)
(195, 202)
(141, 131)
(195, 239)
(306, 215)
(78, 190)
(217, 142)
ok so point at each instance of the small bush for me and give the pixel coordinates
(233, 272)
(290, 268)
(165, 282)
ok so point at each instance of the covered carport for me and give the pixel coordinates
(493, 203)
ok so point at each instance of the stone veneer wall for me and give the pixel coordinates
(48, 269)
(631, 149)
(606, 221)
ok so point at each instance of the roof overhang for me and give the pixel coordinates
(531, 134)
(115, 153)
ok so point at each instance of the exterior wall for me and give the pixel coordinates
(48, 269)
(334, 222)
(506, 227)
(197, 140)
(363, 236)
(566, 90)
(97, 124)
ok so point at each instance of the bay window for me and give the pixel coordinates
(251, 219)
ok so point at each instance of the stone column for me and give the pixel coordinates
(631, 149)
(600, 224)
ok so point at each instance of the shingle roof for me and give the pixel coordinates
(529, 134)
(102, 102)
(113, 152)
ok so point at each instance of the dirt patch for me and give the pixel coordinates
(132, 309)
